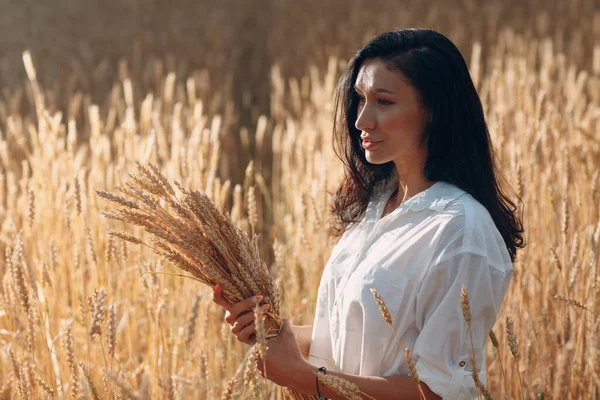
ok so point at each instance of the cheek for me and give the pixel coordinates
(404, 123)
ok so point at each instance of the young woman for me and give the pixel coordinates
(420, 214)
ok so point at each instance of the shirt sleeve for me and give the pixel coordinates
(443, 347)
(321, 353)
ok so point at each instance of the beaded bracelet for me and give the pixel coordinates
(324, 371)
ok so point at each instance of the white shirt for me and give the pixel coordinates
(417, 257)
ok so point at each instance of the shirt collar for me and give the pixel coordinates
(436, 198)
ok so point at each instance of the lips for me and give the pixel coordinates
(369, 144)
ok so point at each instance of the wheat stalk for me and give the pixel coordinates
(514, 348)
(341, 386)
(228, 391)
(571, 302)
(111, 331)
(190, 326)
(88, 378)
(44, 386)
(466, 310)
(68, 344)
(127, 390)
(388, 318)
(496, 345)
(98, 313)
(195, 236)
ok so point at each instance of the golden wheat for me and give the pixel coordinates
(59, 143)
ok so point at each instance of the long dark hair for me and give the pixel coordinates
(457, 138)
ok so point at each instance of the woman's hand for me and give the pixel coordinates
(284, 359)
(240, 316)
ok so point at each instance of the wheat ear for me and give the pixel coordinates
(466, 309)
(261, 337)
(88, 378)
(68, 343)
(228, 391)
(513, 344)
(388, 318)
(341, 386)
(496, 345)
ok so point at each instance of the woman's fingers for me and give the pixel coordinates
(240, 315)
(244, 320)
(248, 304)
(219, 299)
(247, 334)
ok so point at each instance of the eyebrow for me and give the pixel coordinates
(376, 90)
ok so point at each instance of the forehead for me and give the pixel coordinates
(374, 73)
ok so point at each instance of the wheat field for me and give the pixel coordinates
(84, 315)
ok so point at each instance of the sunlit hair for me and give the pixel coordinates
(459, 149)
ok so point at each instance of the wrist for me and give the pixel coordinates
(304, 378)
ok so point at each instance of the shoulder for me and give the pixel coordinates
(468, 228)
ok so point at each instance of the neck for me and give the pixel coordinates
(410, 181)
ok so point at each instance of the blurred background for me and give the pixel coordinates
(77, 44)
(233, 44)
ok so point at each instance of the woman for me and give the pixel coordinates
(420, 214)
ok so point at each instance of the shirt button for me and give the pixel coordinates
(462, 364)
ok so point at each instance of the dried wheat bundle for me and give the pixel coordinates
(190, 231)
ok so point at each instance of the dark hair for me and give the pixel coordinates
(458, 143)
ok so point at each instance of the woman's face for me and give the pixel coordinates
(390, 116)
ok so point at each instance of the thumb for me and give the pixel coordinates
(218, 298)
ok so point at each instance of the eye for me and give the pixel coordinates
(383, 102)
(361, 102)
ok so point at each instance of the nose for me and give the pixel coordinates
(365, 119)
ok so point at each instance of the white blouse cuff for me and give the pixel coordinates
(452, 383)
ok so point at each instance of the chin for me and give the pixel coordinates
(376, 160)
